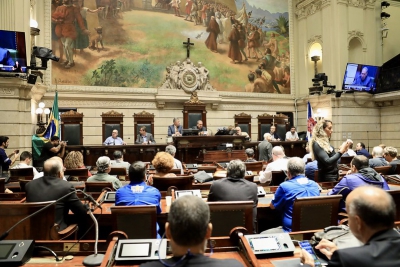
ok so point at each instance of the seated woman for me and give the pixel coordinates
(103, 170)
(163, 162)
(74, 160)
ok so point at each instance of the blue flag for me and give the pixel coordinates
(310, 121)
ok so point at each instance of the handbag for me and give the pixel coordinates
(202, 177)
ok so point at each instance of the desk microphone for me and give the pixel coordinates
(87, 196)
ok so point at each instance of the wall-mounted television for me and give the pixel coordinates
(12, 52)
(360, 77)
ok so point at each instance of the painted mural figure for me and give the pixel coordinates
(213, 29)
(234, 50)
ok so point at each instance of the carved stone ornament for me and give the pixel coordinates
(187, 76)
(280, 115)
(315, 39)
(111, 113)
(265, 115)
(72, 113)
(194, 99)
(309, 7)
(243, 115)
(356, 33)
(144, 114)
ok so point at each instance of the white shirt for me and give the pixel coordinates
(351, 152)
(291, 136)
(120, 164)
(277, 165)
(23, 165)
(306, 156)
(178, 165)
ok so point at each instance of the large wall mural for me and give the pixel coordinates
(132, 43)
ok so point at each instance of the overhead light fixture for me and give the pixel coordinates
(385, 4)
(385, 15)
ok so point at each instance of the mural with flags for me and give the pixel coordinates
(52, 129)
(310, 121)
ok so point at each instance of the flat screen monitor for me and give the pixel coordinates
(186, 132)
(360, 77)
(12, 52)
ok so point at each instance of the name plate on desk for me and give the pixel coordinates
(134, 250)
(271, 245)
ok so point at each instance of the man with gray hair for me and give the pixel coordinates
(265, 148)
(119, 162)
(279, 164)
(250, 155)
(377, 158)
(188, 229)
(170, 149)
(235, 187)
(390, 154)
(297, 186)
(176, 128)
(103, 169)
(52, 187)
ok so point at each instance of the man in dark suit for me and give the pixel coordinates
(52, 187)
(176, 128)
(372, 213)
(274, 135)
(144, 137)
(202, 130)
(235, 187)
(377, 158)
(265, 148)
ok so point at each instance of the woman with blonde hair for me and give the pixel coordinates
(163, 162)
(74, 160)
(322, 151)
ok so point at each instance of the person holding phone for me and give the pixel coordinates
(53, 148)
(6, 161)
(322, 151)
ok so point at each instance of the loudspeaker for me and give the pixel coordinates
(32, 78)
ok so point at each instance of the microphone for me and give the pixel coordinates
(91, 199)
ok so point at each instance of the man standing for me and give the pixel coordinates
(25, 162)
(265, 148)
(6, 162)
(53, 148)
(279, 164)
(292, 134)
(361, 174)
(360, 150)
(297, 186)
(235, 187)
(64, 17)
(390, 154)
(144, 137)
(114, 140)
(377, 158)
(372, 213)
(119, 162)
(137, 192)
(170, 149)
(52, 187)
(176, 128)
(188, 229)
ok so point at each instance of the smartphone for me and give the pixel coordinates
(17, 151)
(307, 247)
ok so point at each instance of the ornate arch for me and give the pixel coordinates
(358, 35)
(316, 39)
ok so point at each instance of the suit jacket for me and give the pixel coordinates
(139, 138)
(383, 250)
(50, 188)
(171, 129)
(264, 150)
(235, 189)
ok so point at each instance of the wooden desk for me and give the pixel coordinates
(292, 148)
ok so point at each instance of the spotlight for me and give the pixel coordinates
(385, 15)
(385, 4)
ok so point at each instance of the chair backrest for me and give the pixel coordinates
(72, 127)
(120, 172)
(97, 186)
(37, 227)
(138, 222)
(22, 184)
(229, 214)
(312, 213)
(184, 182)
(77, 174)
(21, 174)
(383, 170)
(254, 166)
(346, 159)
(2, 185)
(176, 171)
(112, 120)
(207, 168)
(12, 196)
(278, 177)
(396, 197)
(397, 171)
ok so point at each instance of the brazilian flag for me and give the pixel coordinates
(52, 129)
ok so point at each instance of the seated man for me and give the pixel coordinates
(297, 186)
(235, 187)
(363, 79)
(114, 140)
(361, 174)
(102, 175)
(310, 169)
(188, 232)
(202, 130)
(170, 149)
(144, 137)
(137, 192)
(265, 148)
(240, 133)
(279, 164)
(360, 150)
(307, 155)
(377, 158)
(292, 135)
(176, 128)
(52, 187)
(250, 155)
(390, 154)
(119, 162)
(372, 213)
(25, 161)
(274, 135)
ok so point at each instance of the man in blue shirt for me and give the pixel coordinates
(297, 186)
(6, 162)
(137, 192)
(114, 140)
(5, 57)
(360, 150)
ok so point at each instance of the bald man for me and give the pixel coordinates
(372, 213)
(279, 164)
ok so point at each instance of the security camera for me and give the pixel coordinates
(44, 54)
